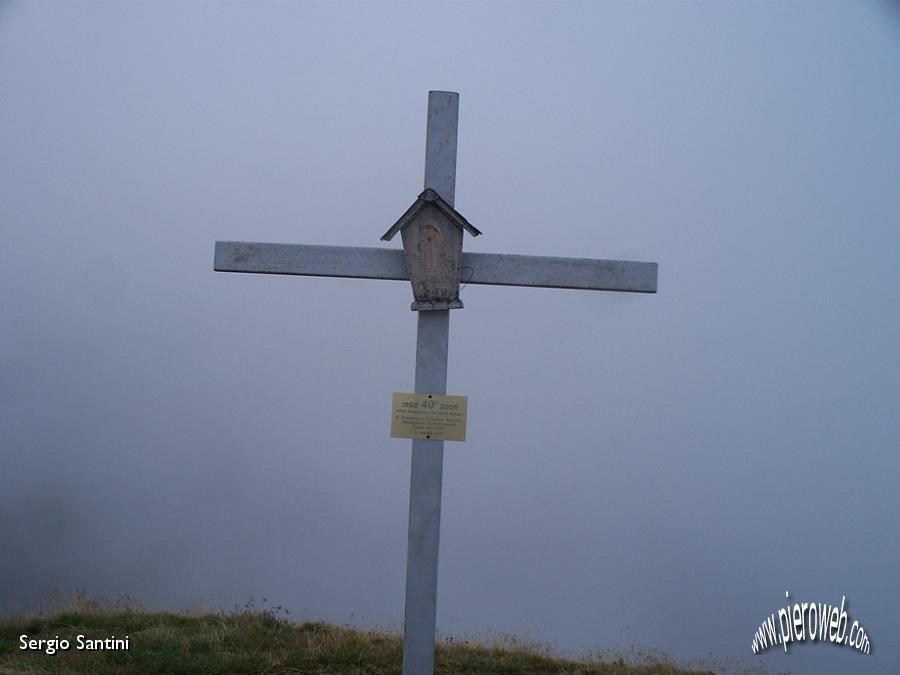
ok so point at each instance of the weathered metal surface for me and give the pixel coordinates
(476, 268)
(309, 260)
(426, 474)
(440, 143)
(550, 272)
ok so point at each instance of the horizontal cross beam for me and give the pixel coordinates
(476, 268)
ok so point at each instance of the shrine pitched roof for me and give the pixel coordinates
(432, 198)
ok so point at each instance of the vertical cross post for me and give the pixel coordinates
(431, 377)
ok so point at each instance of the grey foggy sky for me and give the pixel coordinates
(652, 470)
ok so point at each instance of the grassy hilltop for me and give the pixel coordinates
(253, 641)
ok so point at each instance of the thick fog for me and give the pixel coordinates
(651, 470)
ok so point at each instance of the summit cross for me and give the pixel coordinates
(441, 257)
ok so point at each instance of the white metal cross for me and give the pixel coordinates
(431, 345)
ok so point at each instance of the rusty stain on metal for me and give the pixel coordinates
(241, 255)
(431, 245)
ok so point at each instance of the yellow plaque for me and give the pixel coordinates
(432, 417)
